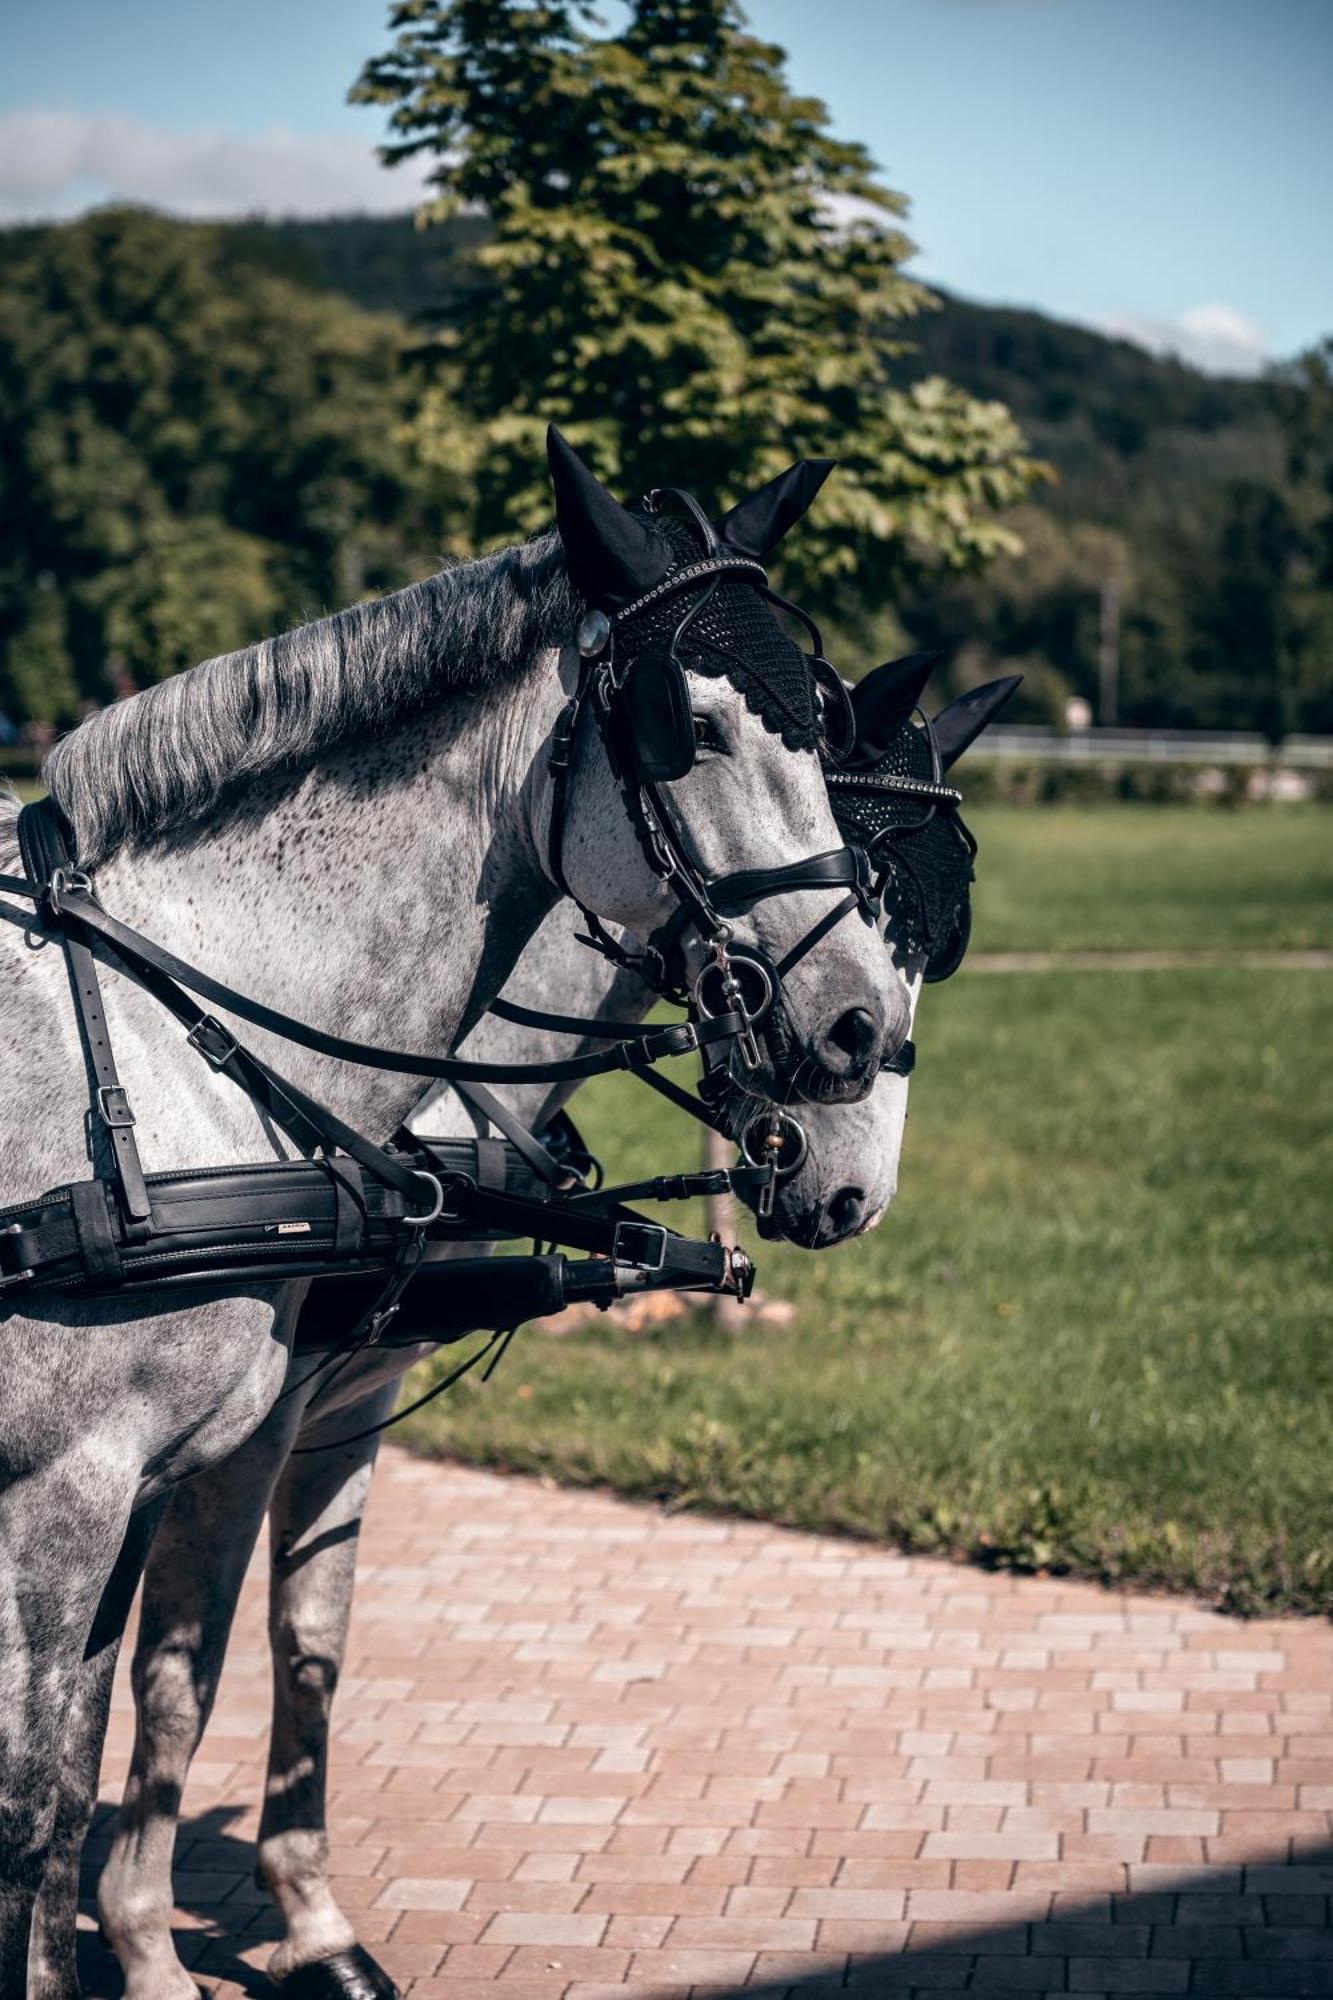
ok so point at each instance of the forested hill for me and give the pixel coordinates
(207, 433)
(1168, 487)
(1053, 375)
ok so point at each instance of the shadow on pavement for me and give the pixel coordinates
(1260, 1931)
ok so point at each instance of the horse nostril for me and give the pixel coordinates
(846, 1210)
(851, 1042)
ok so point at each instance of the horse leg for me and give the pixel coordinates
(53, 1947)
(191, 1585)
(62, 1525)
(314, 1523)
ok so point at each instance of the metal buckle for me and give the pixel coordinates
(642, 1243)
(213, 1042)
(678, 1038)
(8, 1278)
(114, 1106)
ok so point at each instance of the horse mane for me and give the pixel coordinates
(161, 760)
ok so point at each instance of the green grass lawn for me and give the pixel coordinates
(1187, 878)
(1093, 1332)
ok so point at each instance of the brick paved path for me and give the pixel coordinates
(588, 1752)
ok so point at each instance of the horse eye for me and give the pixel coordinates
(708, 736)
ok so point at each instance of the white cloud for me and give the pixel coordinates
(1218, 338)
(59, 162)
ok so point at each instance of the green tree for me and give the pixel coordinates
(1307, 625)
(196, 452)
(691, 274)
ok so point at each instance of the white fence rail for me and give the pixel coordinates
(1154, 746)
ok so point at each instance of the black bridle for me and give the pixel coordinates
(640, 704)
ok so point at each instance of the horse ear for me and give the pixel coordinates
(963, 720)
(884, 701)
(756, 525)
(613, 556)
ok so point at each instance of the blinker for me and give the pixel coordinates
(654, 721)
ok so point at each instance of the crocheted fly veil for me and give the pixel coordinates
(730, 628)
(920, 847)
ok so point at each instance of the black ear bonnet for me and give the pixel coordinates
(726, 627)
(921, 847)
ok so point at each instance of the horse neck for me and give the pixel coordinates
(558, 973)
(382, 896)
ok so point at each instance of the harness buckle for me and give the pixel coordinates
(8, 1277)
(642, 1243)
(680, 1038)
(562, 737)
(114, 1106)
(213, 1042)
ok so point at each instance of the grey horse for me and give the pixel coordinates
(315, 1500)
(315, 1503)
(351, 822)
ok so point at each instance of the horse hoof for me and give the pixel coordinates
(346, 1975)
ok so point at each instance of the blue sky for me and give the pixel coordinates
(1159, 167)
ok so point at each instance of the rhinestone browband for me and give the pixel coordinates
(681, 579)
(924, 788)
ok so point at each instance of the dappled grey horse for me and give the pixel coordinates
(353, 823)
(315, 1497)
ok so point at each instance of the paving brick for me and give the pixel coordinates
(691, 1967)
(543, 1927)
(1129, 1975)
(587, 1751)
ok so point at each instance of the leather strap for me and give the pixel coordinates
(141, 955)
(45, 848)
(485, 1106)
(903, 1060)
(93, 1232)
(816, 932)
(596, 1030)
(297, 1217)
(839, 868)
